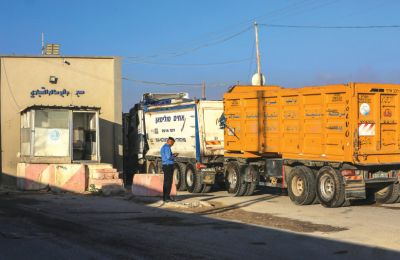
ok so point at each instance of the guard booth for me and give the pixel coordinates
(60, 150)
(52, 134)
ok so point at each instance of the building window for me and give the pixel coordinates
(59, 135)
(52, 135)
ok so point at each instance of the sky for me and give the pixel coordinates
(184, 43)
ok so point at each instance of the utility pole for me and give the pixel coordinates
(42, 43)
(203, 90)
(258, 55)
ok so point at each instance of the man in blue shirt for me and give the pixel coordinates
(167, 158)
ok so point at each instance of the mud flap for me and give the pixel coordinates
(207, 176)
(355, 190)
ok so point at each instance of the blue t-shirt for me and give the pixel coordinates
(166, 155)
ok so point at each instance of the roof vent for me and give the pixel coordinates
(52, 49)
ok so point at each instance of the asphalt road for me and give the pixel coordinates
(65, 226)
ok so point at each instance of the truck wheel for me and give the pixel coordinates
(152, 168)
(251, 187)
(178, 176)
(330, 188)
(158, 166)
(193, 180)
(233, 179)
(301, 185)
(389, 194)
(182, 169)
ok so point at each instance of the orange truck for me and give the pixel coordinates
(331, 144)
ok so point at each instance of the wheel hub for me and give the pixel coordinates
(298, 185)
(327, 187)
(232, 179)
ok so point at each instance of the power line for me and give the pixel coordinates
(190, 64)
(208, 44)
(330, 27)
(223, 31)
(167, 84)
(10, 89)
(309, 6)
(277, 13)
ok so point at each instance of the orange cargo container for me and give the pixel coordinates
(328, 143)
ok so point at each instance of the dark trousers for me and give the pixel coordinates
(168, 175)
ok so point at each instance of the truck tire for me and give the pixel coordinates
(183, 186)
(301, 185)
(251, 187)
(152, 168)
(158, 166)
(179, 172)
(330, 188)
(233, 179)
(192, 180)
(389, 194)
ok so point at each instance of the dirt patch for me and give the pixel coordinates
(179, 204)
(265, 219)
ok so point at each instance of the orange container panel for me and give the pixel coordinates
(354, 123)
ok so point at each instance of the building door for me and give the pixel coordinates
(85, 136)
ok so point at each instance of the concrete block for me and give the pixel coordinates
(69, 177)
(150, 185)
(32, 176)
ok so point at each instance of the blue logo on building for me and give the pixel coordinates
(54, 135)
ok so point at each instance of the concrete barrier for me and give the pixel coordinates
(69, 177)
(57, 177)
(34, 176)
(150, 185)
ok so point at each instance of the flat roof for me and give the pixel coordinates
(41, 107)
(57, 56)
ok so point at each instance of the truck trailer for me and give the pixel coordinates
(331, 144)
(199, 139)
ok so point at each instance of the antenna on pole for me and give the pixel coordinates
(42, 43)
(203, 90)
(260, 76)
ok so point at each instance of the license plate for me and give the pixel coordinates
(379, 175)
(208, 170)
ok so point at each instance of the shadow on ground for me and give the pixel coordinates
(68, 225)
